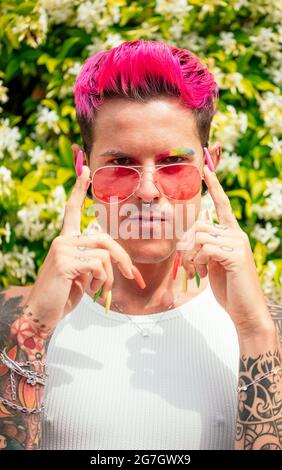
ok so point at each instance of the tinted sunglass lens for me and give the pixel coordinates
(180, 182)
(113, 182)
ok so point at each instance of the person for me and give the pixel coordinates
(158, 360)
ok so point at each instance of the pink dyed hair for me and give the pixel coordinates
(142, 69)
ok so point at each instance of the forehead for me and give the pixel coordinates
(158, 122)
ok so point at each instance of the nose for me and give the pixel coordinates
(147, 190)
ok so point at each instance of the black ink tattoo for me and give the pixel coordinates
(259, 423)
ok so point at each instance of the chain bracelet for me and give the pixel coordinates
(245, 387)
(32, 378)
(14, 406)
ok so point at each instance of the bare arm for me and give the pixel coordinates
(259, 419)
(24, 340)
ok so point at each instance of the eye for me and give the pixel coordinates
(175, 159)
(121, 161)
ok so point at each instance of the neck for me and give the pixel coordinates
(160, 293)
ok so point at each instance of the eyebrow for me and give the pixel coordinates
(167, 153)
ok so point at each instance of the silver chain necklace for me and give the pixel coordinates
(145, 332)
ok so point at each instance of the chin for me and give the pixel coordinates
(148, 251)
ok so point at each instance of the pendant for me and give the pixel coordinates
(145, 333)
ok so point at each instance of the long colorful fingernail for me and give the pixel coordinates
(175, 266)
(108, 301)
(79, 163)
(97, 295)
(209, 159)
(138, 277)
(197, 277)
(184, 281)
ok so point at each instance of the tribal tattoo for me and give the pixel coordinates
(259, 423)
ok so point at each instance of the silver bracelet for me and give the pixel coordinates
(31, 376)
(245, 387)
(15, 406)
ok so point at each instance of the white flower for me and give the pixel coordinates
(229, 126)
(6, 182)
(113, 40)
(3, 94)
(170, 9)
(30, 226)
(272, 208)
(47, 119)
(89, 14)
(59, 11)
(32, 28)
(228, 42)
(276, 145)
(265, 42)
(9, 139)
(274, 188)
(176, 30)
(238, 4)
(268, 283)
(75, 68)
(264, 234)
(7, 232)
(39, 156)
(271, 109)
(95, 47)
(59, 195)
(193, 42)
(229, 163)
(20, 264)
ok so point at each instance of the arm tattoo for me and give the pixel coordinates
(276, 314)
(24, 341)
(259, 421)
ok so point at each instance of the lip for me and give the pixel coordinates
(146, 218)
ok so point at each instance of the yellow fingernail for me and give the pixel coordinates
(108, 301)
(184, 281)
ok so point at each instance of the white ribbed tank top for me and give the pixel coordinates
(111, 388)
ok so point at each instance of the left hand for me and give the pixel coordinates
(223, 252)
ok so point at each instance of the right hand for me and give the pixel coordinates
(63, 277)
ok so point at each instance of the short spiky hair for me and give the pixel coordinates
(140, 70)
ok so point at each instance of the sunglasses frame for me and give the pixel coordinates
(134, 167)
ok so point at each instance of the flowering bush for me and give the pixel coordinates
(43, 45)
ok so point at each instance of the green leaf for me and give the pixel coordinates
(25, 196)
(257, 189)
(12, 68)
(260, 254)
(64, 174)
(50, 62)
(50, 104)
(67, 46)
(242, 193)
(65, 151)
(31, 179)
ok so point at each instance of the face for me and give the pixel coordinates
(143, 131)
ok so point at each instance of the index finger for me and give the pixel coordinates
(72, 216)
(95, 239)
(220, 199)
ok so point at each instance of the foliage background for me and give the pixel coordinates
(42, 47)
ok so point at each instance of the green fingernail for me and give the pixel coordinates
(97, 295)
(197, 277)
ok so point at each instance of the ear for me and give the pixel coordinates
(215, 152)
(76, 148)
